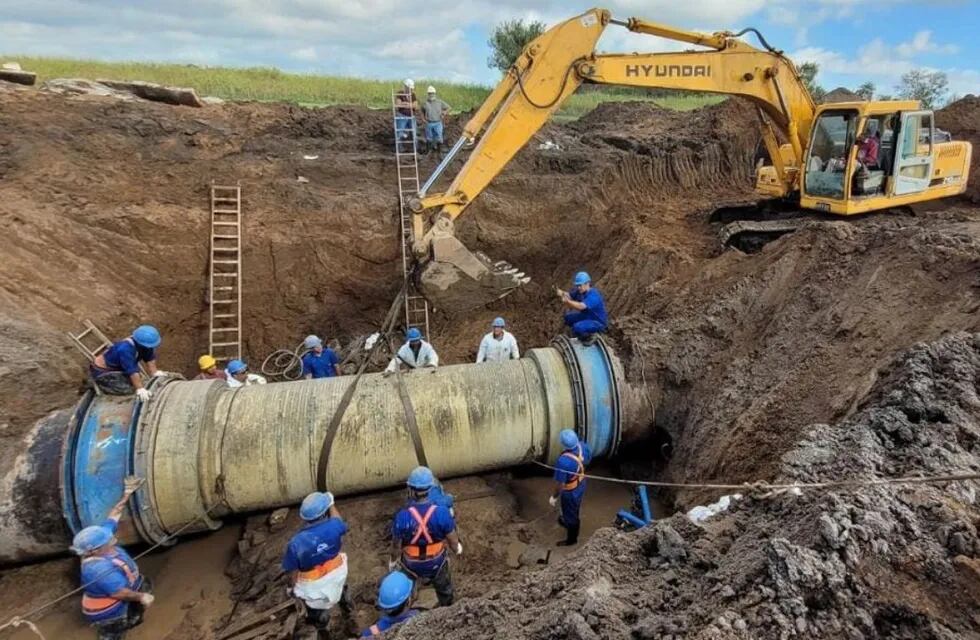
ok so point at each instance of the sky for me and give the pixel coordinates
(853, 41)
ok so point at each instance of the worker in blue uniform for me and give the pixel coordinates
(395, 602)
(114, 593)
(570, 484)
(420, 535)
(315, 566)
(116, 370)
(587, 310)
(319, 361)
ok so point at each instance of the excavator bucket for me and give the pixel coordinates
(456, 279)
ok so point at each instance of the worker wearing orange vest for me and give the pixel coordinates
(420, 534)
(114, 594)
(570, 484)
(316, 568)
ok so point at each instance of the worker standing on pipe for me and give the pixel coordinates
(319, 362)
(416, 353)
(587, 315)
(394, 600)
(419, 536)
(498, 345)
(237, 375)
(114, 593)
(570, 484)
(209, 369)
(116, 371)
(316, 568)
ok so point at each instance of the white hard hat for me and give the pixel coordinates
(431, 89)
(409, 83)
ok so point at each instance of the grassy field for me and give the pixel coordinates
(273, 85)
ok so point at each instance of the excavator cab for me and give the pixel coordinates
(870, 156)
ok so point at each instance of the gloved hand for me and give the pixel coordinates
(143, 394)
(131, 484)
(553, 501)
(146, 599)
(459, 548)
(161, 373)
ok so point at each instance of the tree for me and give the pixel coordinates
(866, 90)
(928, 87)
(508, 39)
(808, 73)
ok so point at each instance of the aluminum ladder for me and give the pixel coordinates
(80, 339)
(407, 161)
(225, 274)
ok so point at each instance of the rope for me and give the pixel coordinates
(782, 487)
(22, 619)
(284, 363)
(16, 622)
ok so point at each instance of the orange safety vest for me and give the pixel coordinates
(579, 459)
(430, 548)
(321, 569)
(94, 605)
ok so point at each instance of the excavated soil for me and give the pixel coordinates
(825, 355)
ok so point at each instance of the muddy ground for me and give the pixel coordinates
(827, 354)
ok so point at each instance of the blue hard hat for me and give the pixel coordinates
(421, 478)
(315, 505)
(568, 438)
(413, 334)
(395, 589)
(499, 322)
(147, 336)
(90, 538)
(582, 278)
(236, 366)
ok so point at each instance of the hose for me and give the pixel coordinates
(758, 35)
(564, 83)
(285, 364)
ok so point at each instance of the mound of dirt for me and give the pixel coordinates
(881, 562)
(962, 118)
(841, 94)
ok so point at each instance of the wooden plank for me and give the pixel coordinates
(251, 621)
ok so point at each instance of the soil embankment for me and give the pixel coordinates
(800, 361)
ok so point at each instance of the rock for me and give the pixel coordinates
(670, 544)
(10, 66)
(212, 100)
(178, 96)
(302, 180)
(17, 76)
(277, 519)
(80, 86)
(830, 532)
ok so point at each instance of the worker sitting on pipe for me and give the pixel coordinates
(416, 353)
(116, 370)
(209, 369)
(570, 484)
(237, 375)
(419, 536)
(587, 315)
(498, 345)
(114, 593)
(319, 362)
(316, 568)
(394, 600)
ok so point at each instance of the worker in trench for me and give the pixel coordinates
(114, 593)
(416, 353)
(498, 345)
(420, 534)
(587, 310)
(237, 375)
(316, 567)
(394, 601)
(116, 371)
(570, 484)
(209, 370)
(319, 361)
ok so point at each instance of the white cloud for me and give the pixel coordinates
(307, 54)
(922, 42)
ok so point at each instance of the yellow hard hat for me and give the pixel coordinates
(206, 362)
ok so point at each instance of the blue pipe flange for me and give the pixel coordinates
(595, 392)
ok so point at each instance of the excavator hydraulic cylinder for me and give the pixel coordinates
(208, 451)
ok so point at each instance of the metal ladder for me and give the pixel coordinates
(78, 339)
(225, 278)
(406, 159)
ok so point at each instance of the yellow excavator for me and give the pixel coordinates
(813, 150)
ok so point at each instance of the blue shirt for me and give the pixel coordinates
(314, 545)
(567, 467)
(440, 525)
(102, 577)
(387, 622)
(438, 495)
(322, 365)
(126, 356)
(595, 306)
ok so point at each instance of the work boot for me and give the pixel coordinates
(572, 537)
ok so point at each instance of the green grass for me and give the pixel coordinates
(273, 85)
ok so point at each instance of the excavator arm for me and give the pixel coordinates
(548, 71)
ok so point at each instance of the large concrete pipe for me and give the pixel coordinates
(207, 451)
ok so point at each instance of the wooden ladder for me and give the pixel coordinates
(225, 277)
(406, 159)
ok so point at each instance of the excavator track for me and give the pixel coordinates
(749, 227)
